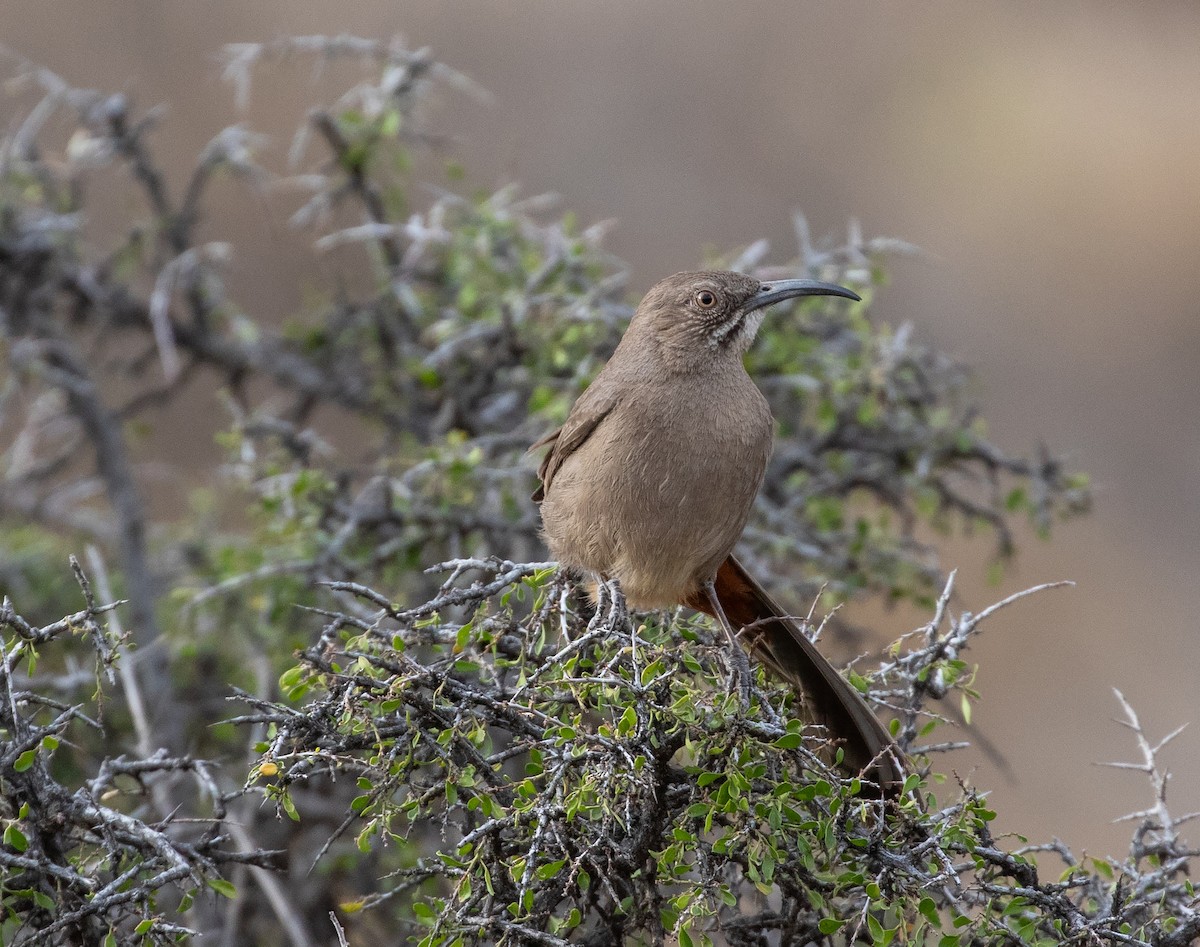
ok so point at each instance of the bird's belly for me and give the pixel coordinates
(659, 515)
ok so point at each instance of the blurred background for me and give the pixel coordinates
(1046, 158)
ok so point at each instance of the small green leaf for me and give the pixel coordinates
(423, 911)
(14, 838)
(390, 126)
(828, 925)
(223, 887)
(878, 934)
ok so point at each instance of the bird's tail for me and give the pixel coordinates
(829, 699)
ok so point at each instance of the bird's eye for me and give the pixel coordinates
(706, 299)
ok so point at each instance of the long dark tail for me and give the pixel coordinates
(828, 698)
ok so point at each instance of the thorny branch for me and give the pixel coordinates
(88, 868)
(484, 321)
(543, 761)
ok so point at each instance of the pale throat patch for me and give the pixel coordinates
(746, 327)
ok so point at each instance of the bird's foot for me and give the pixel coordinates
(602, 606)
(612, 612)
(618, 610)
(740, 678)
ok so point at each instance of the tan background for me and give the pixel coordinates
(1047, 155)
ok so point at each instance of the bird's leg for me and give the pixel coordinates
(739, 664)
(618, 610)
(618, 619)
(611, 609)
(602, 604)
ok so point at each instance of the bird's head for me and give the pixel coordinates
(717, 311)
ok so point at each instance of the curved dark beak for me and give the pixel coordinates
(780, 289)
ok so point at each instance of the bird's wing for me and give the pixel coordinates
(584, 418)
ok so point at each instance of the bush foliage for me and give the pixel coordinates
(464, 752)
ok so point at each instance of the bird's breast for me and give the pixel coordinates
(661, 491)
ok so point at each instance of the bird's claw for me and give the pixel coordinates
(740, 675)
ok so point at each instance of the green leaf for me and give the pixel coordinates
(25, 760)
(293, 682)
(14, 838)
(223, 887)
(423, 911)
(828, 925)
(390, 126)
(879, 934)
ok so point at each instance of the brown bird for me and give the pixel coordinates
(651, 480)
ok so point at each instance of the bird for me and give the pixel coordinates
(651, 479)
